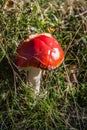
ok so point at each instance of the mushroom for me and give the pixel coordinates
(39, 52)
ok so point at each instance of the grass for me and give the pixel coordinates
(64, 107)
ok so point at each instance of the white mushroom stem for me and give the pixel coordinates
(34, 76)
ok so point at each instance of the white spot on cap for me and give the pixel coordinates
(55, 53)
(48, 52)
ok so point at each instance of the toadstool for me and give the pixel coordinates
(36, 53)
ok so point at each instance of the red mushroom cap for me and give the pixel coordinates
(42, 51)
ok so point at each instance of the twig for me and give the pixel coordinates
(83, 13)
(72, 40)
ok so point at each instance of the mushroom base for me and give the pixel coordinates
(34, 76)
